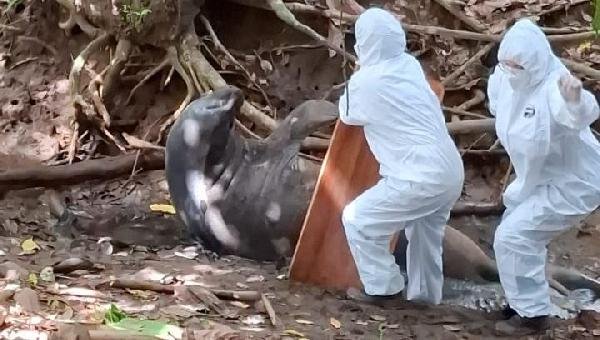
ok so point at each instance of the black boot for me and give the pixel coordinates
(521, 326)
(503, 314)
(360, 296)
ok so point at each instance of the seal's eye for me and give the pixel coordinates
(212, 107)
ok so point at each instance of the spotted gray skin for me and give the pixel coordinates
(240, 196)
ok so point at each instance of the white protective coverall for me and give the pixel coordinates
(421, 170)
(556, 160)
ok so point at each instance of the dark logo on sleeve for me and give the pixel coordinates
(529, 112)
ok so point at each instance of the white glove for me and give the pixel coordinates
(570, 88)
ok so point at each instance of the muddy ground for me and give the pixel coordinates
(82, 293)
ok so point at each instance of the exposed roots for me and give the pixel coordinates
(116, 66)
(173, 59)
(76, 19)
(164, 63)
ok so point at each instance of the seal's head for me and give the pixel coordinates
(211, 118)
(309, 116)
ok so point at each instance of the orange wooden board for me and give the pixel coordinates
(322, 256)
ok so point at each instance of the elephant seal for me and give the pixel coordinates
(241, 196)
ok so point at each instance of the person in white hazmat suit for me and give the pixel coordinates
(420, 168)
(543, 121)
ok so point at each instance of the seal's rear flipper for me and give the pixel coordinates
(573, 279)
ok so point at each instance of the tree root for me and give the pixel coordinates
(459, 71)
(284, 13)
(79, 62)
(76, 19)
(191, 56)
(117, 64)
(173, 58)
(582, 68)
(55, 176)
(460, 15)
(164, 63)
(226, 52)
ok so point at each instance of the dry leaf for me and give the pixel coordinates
(255, 278)
(335, 323)
(163, 208)
(266, 66)
(239, 304)
(376, 317)
(304, 322)
(28, 299)
(292, 332)
(452, 328)
(254, 320)
(47, 274)
(242, 286)
(362, 323)
(29, 247)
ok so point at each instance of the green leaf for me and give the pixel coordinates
(113, 315)
(154, 328)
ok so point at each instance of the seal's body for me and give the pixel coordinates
(240, 196)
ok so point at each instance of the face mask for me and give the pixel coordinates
(518, 79)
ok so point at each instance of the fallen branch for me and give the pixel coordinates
(459, 71)
(562, 6)
(240, 295)
(471, 126)
(582, 68)
(429, 30)
(284, 13)
(170, 289)
(460, 15)
(479, 208)
(270, 310)
(478, 98)
(484, 153)
(22, 62)
(55, 176)
(315, 144)
(461, 112)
